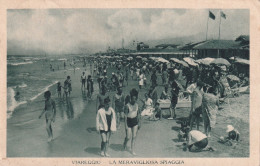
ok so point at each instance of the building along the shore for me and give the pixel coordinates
(221, 48)
(238, 48)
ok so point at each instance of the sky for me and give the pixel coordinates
(86, 31)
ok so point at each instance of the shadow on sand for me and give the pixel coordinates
(176, 128)
(117, 147)
(91, 129)
(176, 140)
(93, 150)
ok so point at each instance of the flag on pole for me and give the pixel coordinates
(223, 15)
(211, 15)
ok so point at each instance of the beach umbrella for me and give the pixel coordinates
(233, 78)
(175, 60)
(184, 64)
(190, 61)
(205, 61)
(220, 61)
(180, 62)
(152, 58)
(243, 61)
(162, 60)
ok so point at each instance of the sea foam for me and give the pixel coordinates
(11, 102)
(21, 63)
(44, 90)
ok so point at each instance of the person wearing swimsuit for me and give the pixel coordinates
(83, 80)
(50, 113)
(118, 105)
(90, 86)
(67, 84)
(132, 119)
(101, 97)
(105, 124)
(59, 89)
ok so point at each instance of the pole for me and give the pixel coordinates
(207, 28)
(219, 27)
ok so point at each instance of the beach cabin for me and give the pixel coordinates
(220, 48)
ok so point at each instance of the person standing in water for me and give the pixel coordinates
(50, 113)
(132, 120)
(64, 64)
(105, 124)
(90, 86)
(68, 84)
(59, 89)
(83, 79)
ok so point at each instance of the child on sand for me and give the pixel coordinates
(148, 106)
(50, 113)
(157, 114)
(233, 135)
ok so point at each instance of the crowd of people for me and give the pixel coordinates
(204, 86)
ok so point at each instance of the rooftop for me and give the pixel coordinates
(218, 44)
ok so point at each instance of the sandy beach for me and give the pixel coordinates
(75, 134)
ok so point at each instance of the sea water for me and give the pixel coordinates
(30, 76)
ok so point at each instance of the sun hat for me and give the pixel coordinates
(229, 128)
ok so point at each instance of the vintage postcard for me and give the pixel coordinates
(129, 83)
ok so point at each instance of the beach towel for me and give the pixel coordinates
(101, 121)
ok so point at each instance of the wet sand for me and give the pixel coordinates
(75, 134)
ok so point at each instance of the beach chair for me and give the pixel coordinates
(183, 102)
